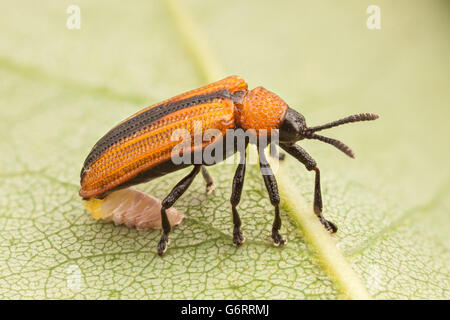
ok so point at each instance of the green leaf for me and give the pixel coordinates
(62, 89)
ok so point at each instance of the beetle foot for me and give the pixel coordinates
(210, 187)
(330, 226)
(238, 237)
(278, 240)
(163, 243)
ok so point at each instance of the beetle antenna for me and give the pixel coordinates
(352, 118)
(338, 144)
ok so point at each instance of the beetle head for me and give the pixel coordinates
(293, 128)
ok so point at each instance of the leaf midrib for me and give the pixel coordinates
(328, 255)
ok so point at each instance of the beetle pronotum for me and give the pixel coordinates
(139, 148)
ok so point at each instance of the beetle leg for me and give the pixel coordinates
(210, 186)
(168, 201)
(301, 155)
(238, 183)
(275, 153)
(272, 189)
(330, 226)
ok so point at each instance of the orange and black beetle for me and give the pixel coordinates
(139, 148)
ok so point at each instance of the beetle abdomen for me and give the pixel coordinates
(144, 140)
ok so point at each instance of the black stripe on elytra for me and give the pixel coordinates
(144, 119)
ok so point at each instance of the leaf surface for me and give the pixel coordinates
(63, 89)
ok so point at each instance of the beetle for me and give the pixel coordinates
(139, 148)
